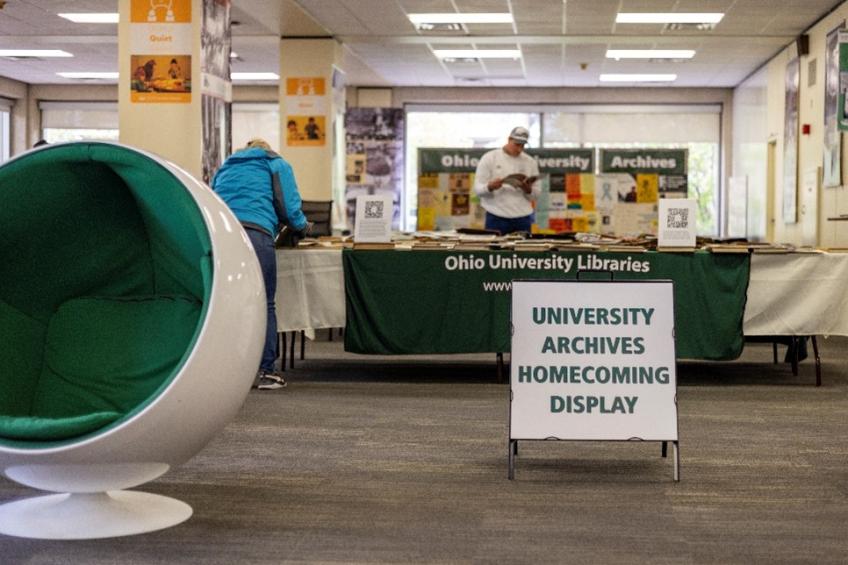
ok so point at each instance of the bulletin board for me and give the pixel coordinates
(446, 198)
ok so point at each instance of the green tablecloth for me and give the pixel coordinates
(414, 302)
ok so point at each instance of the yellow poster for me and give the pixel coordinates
(587, 202)
(160, 11)
(428, 181)
(580, 224)
(587, 183)
(160, 78)
(305, 131)
(647, 188)
(426, 219)
(305, 86)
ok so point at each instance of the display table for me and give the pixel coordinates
(788, 294)
(798, 294)
(310, 290)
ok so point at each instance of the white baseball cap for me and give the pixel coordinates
(519, 135)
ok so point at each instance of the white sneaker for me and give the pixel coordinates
(269, 381)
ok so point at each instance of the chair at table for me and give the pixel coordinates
(122, 280)
(796, 350)
(320, 213)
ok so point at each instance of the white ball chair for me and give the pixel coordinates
(132, 317)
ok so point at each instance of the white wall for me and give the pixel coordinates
(830, 201)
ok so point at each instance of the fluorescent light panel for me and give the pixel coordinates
(34, 53)
(478, 53)
(457, 18)
(92, 18)
(255, 76)
(650, 53)
(638, 77)
(668, 18)
(84, 74)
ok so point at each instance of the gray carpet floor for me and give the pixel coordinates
(403, 460)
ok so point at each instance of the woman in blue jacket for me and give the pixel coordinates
(260, 189)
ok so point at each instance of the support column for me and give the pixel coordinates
(174, 88)
(312, 114)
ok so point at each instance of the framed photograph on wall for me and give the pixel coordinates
(832, 163)
(790, 142)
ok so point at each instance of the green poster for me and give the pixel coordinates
(461, 160)
(634, 161)
(843, 80)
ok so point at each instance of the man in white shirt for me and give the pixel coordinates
(507, 181)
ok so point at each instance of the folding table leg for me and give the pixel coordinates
(283, 351)
(793, 354)
(500, 364)
(302, 343)
(818, 360)
(291, 351)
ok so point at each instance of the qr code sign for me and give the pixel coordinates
(678, 218)
(374, 209)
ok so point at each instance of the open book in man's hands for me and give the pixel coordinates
(519, 179)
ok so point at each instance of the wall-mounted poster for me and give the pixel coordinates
(374, 157)
(306, 112)
(160, 78)
(841, 110)
(216, 88)
(832, 136)
(160, 43)
(305, 131)
(790, 142)
(446, 198)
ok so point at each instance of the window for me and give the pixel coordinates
(78, 121)
(693, 127)
(260, 119)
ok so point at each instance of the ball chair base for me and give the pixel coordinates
(90, 516)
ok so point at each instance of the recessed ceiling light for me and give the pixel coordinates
(255, 76)
(477, 53)
(638, 77)
(92, 18)
(457, 18)
(668, 18)
(34, 53)
(650, 53)
(94, 74)
(462, 60)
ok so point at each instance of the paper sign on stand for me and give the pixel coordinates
(593, 361)
(677, 223)
(373, 218)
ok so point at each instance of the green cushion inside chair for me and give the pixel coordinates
(34, 429)
(106, 274)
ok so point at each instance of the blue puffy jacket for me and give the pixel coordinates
(244, 182)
